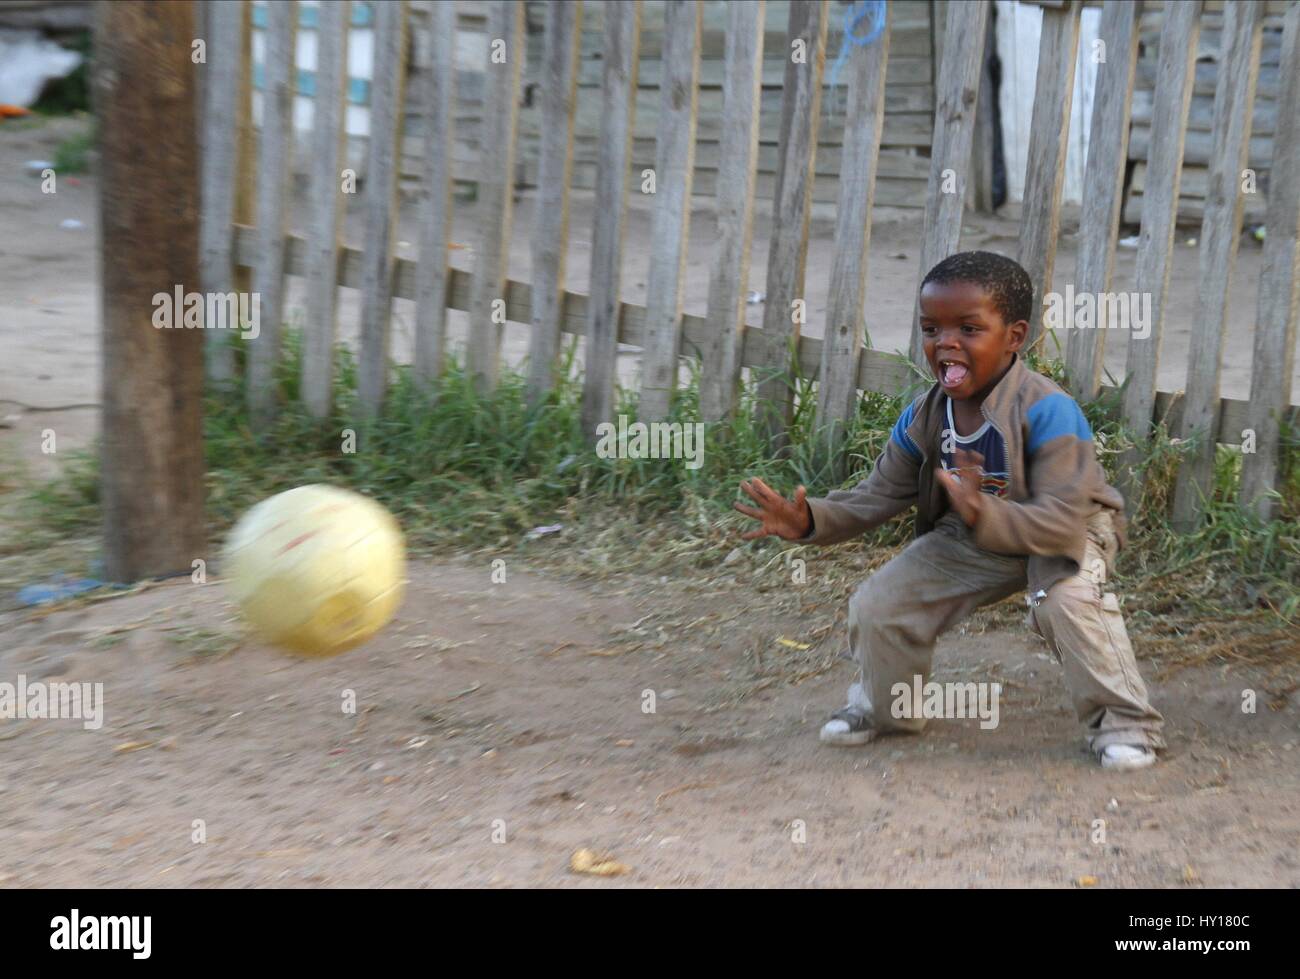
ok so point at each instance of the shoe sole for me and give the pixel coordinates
(848, 738)
(1129, 764)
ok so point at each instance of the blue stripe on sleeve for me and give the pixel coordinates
(900, 432)
(1054, 416)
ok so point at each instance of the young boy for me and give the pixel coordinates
(999, 463)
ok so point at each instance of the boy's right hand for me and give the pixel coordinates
(787, 519)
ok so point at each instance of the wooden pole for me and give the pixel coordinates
(223, 72)
(671, 220)
(1176, 74)
(152, 446)
(738, 155)
(618, 115)
(1234, 103)
(550, 243)
(435, 208)
(837, 394)
(387, 109)
(792, 209)
(955, 95)
(1103, 186)
(275, 153)
(1049, 134)
(328, 142)
(495, 212)
(1279, 292)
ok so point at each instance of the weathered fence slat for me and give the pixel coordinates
(496, 188)
(381, 203)
(1103, 188)
(877, 370)
(550, 243)
(792, 204)
(1279, 286)
(954, 127)
(225, 67)
(246, 152)
(435, 207)
(729, 276)
(671, 220)
(1220, 233)
(837, 394)
(618, 103)
(328, 140)
(1159, 213)
(272, 207)
(979, 192)
(1049, 134)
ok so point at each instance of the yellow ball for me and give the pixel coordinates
(316, 569)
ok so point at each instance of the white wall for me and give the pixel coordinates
(1018, 28)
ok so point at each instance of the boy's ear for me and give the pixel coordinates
(1016, 334)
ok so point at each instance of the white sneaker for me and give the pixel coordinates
(851, 724)
(1127, 757)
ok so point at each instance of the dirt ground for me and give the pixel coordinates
(499, 727)
(513, 712)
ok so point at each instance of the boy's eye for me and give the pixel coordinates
(969, 328)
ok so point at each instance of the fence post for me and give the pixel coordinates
(1173, 95)
(274, 170)
(950, 150)
(671, 220)
(151, 453)
(737, 159)
(618, 108)
(223, 74)
(1279, 285)
(550, 244)
(435, 210)
(245, 170)
(791, 210)
(329, 137)
(980, 191)
(842, 338)
(495, 190)
(1049, 134)
(1234, 102)
(387, 108)
(1103, 188)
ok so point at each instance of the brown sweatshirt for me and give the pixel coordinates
(1055, 480)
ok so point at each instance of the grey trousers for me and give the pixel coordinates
(941, 577)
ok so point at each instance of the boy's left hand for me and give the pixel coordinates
(964, 493)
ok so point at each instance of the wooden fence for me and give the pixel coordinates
(235, 245)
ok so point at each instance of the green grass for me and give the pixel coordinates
(462, 467)
(469, 471)
(73, 154)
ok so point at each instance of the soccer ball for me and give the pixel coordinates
(317, 569)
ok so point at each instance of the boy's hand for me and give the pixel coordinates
(787, 519)
(964, 493)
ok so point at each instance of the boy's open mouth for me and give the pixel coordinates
(952, 374)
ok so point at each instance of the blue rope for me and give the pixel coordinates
(854, 16)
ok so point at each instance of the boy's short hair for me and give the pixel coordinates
(1002, 278)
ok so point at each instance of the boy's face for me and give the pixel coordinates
(966, 341)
